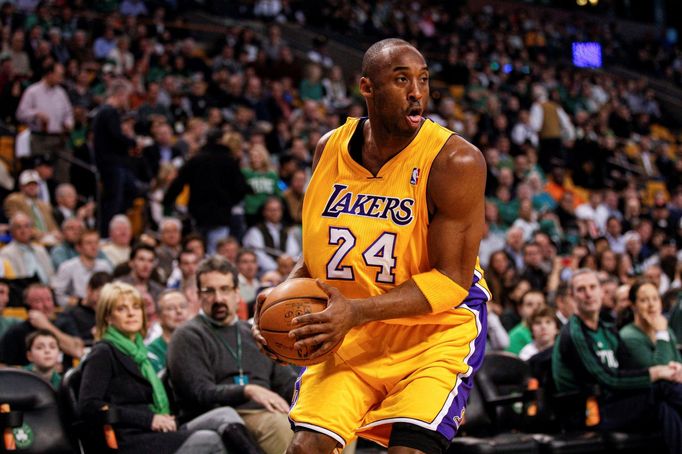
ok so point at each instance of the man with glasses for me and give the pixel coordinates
(214, 361)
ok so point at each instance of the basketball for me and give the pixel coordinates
(287, 301)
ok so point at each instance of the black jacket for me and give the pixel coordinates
(215, 182)
(111, 378)
(110, 144)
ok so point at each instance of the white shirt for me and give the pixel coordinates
(537, 117)
(72, 278)
(599, 215)
(51, 101)
(254, 240)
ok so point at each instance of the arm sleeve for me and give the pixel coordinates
(566, 125)
(97, 375)
(191, 370)
(26, 110)
(61, 283)
(639, 352)
(536, 117)
(113, 125)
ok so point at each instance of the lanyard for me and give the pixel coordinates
(236, 355)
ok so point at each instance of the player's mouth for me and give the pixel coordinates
(414, 116)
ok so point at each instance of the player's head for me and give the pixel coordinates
(395, 85)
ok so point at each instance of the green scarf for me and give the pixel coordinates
(138, 353)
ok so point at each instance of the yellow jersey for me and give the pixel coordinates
(367, 234)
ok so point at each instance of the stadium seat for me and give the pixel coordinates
(477, 435)
(90, 441)
(42, 430)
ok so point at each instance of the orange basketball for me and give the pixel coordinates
(288, 300)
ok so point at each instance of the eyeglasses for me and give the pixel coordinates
(212, 292)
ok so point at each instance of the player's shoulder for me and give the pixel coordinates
(461, 156)
(322, 143)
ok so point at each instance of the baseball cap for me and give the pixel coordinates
(29, 176)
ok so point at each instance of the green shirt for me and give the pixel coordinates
(263, 185)
(583, 357)
(675, 323)
(55, 378)
(645, 353)
(5, 323)
(519, 337)
(157, 353)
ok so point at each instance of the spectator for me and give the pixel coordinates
(564, 303)
(42, 353)
(26, 259)
(648, 338)
(133, 8)
(46, 108)
(118, 374)
(247, 266)
(552, 125)
(82, 315)
(262, 179)
(210, 369)
(104, 44)
(5, 322)
(173, 312)
(26, 201)
(160, 152)
(18, 55)
(215, 186)
(117, 247)
(142, 263)
(521, 335)
(270, 238)
(293, 196)
(70, 282)
(41, 315)
(72, 229)
(533, 267)
(544, 327)
(589, 353)
(229, 248)
(66, 200)
(121, 57)
(112, 145)
(170, 230)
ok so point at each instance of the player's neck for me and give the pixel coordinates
(380, 145)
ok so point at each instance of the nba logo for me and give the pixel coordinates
(415, 176)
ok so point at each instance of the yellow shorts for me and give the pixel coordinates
(386, 373)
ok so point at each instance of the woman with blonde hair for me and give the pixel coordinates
(118, 374)
(263, 181)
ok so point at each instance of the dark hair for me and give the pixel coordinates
(34, 286)
(87, 232)
(99, 280)
(543, 312)
(634, 288)
(246, 251)
(193, 236)
(141, 247)
(221, 265)
(30, 339)
(529, 292)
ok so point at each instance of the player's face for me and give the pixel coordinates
(400, 93)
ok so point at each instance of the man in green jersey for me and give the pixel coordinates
(590, 352)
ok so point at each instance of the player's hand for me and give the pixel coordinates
(272, 401)
(255, 331)
(320, 331)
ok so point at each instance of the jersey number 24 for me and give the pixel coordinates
(379, 254)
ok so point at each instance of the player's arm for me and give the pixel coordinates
(300, 269)
(456, 198)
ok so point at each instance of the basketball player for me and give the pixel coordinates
(392, 222)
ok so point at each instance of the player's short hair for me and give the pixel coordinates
(370, 60)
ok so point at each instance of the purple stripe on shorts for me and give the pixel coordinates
(297, 390)
(450, 423)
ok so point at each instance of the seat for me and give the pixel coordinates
(478, 434)
(42, 429)
(89, 440)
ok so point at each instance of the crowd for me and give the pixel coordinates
(167, 172)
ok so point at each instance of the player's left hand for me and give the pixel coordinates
(320, 331)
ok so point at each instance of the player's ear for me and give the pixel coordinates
(366, 88)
